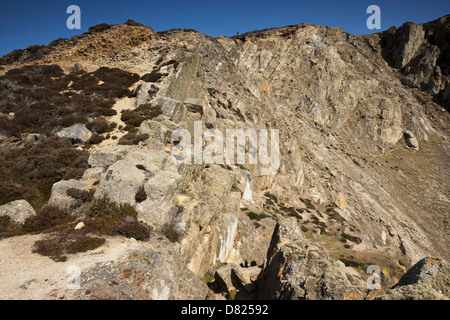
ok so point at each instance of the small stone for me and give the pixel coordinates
(317, 232)
(78, 67)
(80, 226)
(341, 202)
(27, 284)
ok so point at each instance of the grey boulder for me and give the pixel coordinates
(78, 133)
(18, 210)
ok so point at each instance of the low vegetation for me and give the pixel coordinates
(101, 218)
(42, 100)
(30, 173)
(134, 118)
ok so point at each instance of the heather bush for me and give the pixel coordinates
(41, 98)
(47, 219)
(99, 126)
(9, 228)
(81, 195)
(141, 194)
(133, 138)
(30, 173)
(133, 229)
(137, 116)
(67, 241)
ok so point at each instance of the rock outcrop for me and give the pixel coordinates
(78, 133)
(359, 172)
(421, 53)
(18, 210)
(428, 279)
(297, 268)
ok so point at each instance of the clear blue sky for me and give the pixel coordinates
(24, 23)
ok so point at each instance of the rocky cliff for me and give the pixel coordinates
(362, 180)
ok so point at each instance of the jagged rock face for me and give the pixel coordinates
(422, 54)
(427, 280)
(363, 157)
(59, 195)
(339, 110)
(298, 269)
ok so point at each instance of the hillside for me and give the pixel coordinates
(363, 175)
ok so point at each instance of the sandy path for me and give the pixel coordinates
(25, 275)
(119, 106)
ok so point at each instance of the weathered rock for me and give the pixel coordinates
(108, 156)
(155, 273)
(31, 139)
(339, 129)
(194, 105)
(78, 133)
(18, 210)
(254, 240)
(160, 133)
(421, 52)
(80, 226)
(59, 196)
(78, 67)
(223, 277)
(428, 279)
(232, 277)
(143, 95)
(154, 171)
(404, 43)
(411, 140)
(299, 269)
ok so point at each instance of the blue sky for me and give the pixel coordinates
(24, 23)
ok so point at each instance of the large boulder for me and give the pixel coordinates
(297, 268)
(61, 198)
(149, 172)
(159, 133)
(108, 156)
(121, 269)
(428, 279)
(100, 160)
(18, 210)
(411, 140)
(232, 277)
(153, 273)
